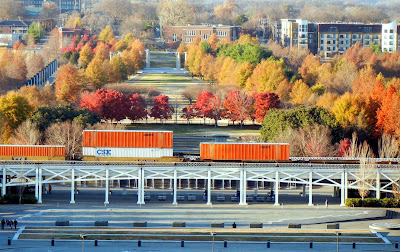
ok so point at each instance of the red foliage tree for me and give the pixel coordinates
(344, 146)
(92, 102)
(209, 105)
(114, 105)
(264, 102)
(161, 109)
(238, 106)
(137, 109)
(188, 113)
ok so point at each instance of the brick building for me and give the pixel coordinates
(187, 34)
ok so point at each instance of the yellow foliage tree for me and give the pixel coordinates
(349, 110)
(68, 84)
(267, 75)
(300, 93)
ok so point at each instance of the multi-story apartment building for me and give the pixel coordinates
(187, 34)
(64, 5)
(332, 38)
(12, 30)
(298, 33)
(337, 38)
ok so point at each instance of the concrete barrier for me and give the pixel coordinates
(294, 225)
(332, 226)
(256, 225)
(178, 224)
(101, 223)
(62, 223)
(140, 224)
(217, 225)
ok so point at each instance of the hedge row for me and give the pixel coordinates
(14, 199)
(372, 202)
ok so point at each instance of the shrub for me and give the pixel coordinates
(350, 202)
(14, 199)
(389, 202)
(371, 202)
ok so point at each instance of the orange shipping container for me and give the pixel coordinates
(32, 150)
(127, 139)
(245, 151)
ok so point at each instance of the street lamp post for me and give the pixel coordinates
(213, 234)
(83, 236)
(337, 241)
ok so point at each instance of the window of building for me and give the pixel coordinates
(328, 48)
(322, 41)
(322, 48)
(334, 42)
(205, 36)
(174, 37)
(390, 42)
(385, 31)
(328, 42)
(376, 36)
(341, 36)
(200, 33)
(333, 48)
(391, 31)
(347, 35)
(391, 37)
(221, 33)
(322, 35)
(190, 33)
(310, 41)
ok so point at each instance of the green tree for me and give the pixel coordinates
(241, 19)
(36, 30)
(277, 121)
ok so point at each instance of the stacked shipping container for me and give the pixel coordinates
(245, 151)
(126, 144)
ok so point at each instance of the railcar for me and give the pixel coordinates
(244, 152)
(32, 152)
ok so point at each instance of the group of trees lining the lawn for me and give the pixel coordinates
(358, 91)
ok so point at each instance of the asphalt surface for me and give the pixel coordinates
(123, 211)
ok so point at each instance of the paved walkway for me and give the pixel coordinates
(120, 213)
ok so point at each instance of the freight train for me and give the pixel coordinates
(155, 146)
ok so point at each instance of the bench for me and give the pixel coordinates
(146, 197)
(101, 223)
(256, 225)
(140, 224)
(221, 198)
(217, 225)
(249, 198)
(178, 224)
(332, 226)
(162, 197)
(191, 197)
(234, 198)
(180, 197)
(62, 223)
(291, 225)
(259, 198)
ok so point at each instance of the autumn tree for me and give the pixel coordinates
(209, 105)
(15, 108)
(68, 134)
(107, 34)
(300, 93)
(388, 115)
(238, 106)
(349, 111)
(11, 10)
(263, 103)
(267, 75)
(27, 133)
(161, 109)
(188, 113)
(85, 55)
(113, 105)
(388, 147)
(68, 84)
(137, 107)
(175, 12)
